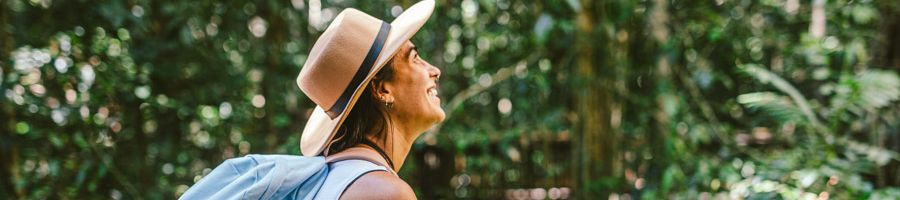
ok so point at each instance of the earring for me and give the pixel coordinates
(389, 105)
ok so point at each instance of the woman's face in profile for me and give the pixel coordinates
(414, 88)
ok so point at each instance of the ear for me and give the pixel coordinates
(381, 90)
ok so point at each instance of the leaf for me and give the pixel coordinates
(869, 91)
(776, 105)
(880, 156)
(878, 88)
(767, 77)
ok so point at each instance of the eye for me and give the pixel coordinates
(418, 58)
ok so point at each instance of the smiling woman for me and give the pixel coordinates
(374, 96)
(401, 98)
(395, 108)
(380, 95)
(408, 90)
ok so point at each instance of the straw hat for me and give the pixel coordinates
(353, 48)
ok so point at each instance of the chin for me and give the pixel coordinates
(438, 116)
(441, 116)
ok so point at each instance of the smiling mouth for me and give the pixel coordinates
(433, 91)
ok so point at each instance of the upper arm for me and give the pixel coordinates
(378, 185)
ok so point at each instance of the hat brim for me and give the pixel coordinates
(320, 128)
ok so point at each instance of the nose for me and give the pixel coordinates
(434, 72)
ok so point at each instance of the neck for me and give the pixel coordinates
(402, 139)
(398, 143)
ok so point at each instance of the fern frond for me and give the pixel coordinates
(878, 88)
(775, 105)
(867, 91)
(767, 77)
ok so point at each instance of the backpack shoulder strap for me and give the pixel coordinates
(342, 173)
(360, 153)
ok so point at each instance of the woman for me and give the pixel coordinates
(375, 95)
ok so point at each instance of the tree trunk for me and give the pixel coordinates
(595, 145)
(8, 154)
(888, 58)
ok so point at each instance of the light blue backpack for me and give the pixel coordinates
(262, 177)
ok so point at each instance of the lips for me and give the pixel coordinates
(433, 91)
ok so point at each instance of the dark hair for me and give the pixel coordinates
(368, 117)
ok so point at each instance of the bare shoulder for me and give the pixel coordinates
(379, 185)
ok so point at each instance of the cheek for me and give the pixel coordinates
(410, 85)
(412, 97)
(406, 92)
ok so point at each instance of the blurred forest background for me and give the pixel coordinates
(615, 99)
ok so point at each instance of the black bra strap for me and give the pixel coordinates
(380, 151)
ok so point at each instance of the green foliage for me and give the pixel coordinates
(773, 104)
(659, 99)
(866, 91)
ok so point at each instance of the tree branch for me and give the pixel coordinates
(474, 89)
